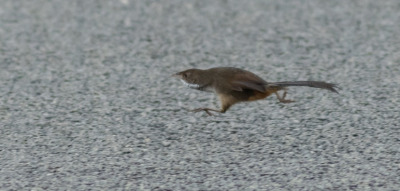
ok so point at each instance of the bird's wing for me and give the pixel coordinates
(252, 82)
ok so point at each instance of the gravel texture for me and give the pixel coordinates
(87, 101)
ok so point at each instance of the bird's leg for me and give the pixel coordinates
(207, 110)
(226, 103)
(282, 99)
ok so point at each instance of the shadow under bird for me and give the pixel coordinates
(234, 85)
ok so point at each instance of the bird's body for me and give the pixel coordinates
(233, 85)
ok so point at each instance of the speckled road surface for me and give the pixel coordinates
(87, 101)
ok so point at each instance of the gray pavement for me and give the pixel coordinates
(87, 101)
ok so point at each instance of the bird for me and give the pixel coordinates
(233, 85)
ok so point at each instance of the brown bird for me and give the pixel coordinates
(233, 85)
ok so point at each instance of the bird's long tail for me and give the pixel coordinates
(314, 84)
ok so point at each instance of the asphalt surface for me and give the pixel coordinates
(87, 101)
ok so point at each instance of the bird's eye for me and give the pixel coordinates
(184, 75)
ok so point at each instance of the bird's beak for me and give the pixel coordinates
(176, 75)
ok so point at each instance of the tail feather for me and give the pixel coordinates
(314, 84)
